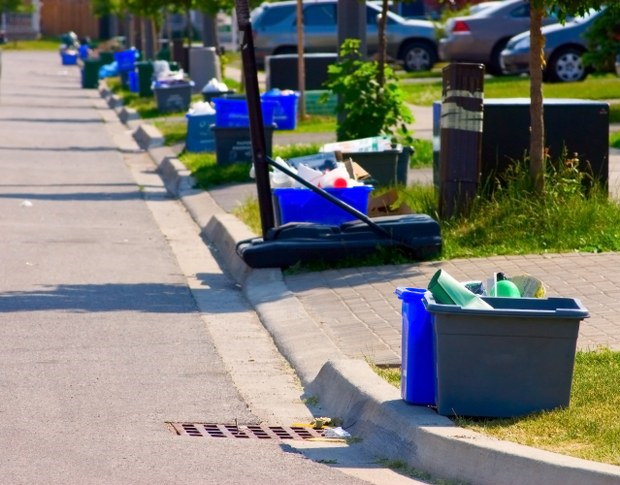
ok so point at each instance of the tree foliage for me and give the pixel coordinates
(604, 40)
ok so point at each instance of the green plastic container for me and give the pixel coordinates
(106, 57)
(90, 73)
(510, 360)
(145, 78)
(314, 107)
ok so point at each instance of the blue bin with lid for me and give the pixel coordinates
(132, 81)
(417, 381)
(285, 113)
(126, 59)
(200, 136)
(303, 205)
(231, 112)
(69, 58)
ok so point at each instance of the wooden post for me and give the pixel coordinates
(461, 137)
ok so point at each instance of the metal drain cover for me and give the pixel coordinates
(260, 432)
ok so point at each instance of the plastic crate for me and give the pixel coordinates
(173, 97)
(514, 359)
(126, 59)
(200, 136)
(315, 107)
(285, 113)
(304, 205)
(68, 58)
(233, 144)
(417, 383)
(231, 113)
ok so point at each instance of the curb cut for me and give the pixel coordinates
(348, 388)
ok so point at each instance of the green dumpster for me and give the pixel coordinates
(145, 78)
(90, 73)
(106, 57)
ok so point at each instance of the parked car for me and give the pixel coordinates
(274, 24)
(564, 48)
(482, 36)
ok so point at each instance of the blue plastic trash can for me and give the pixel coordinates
(200, 136)
(285, 112)
(417, 382)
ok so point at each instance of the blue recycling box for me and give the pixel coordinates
(417, 381)
(200, 136)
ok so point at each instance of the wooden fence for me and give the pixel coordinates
(60, 16)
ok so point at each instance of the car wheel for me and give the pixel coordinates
(566, 65)
(418, 56)
(495, 67)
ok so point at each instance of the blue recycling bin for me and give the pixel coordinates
(132, 80)
(417, 383)
(285, 113)
(200, 137)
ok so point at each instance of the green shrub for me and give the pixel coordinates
(367, 108)
(604, 40)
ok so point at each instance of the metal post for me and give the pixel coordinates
(257, 130)
(352, 22)
(461, 137)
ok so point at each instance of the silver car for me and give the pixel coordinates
(564, 47)
(274, 25)
(481, 37)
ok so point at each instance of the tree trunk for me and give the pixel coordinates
(190, 30)
(537, 123)
(155, 36)
(209, 31)
(143, 36)
(382, 44)
(301, 64)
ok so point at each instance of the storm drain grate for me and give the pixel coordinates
(260, 432)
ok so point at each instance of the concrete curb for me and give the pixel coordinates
(348, 388)
(373, 410)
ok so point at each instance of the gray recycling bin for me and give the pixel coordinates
(511, 360)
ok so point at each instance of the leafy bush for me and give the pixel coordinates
(604, 40)
(368, 109)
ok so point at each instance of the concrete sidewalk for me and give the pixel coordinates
(325, 323)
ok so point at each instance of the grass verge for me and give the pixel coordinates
(513, 220)
(587, 429)
(423, 154)
(43, 44)
(603, 86)
(614, 139)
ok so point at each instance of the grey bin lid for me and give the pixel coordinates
(515, 307)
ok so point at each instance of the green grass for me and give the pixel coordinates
(43, 44)
(615, 139)
(588, 428)
(614, 112)
(316, 124)
(594, 87)
(174, 131)
(513, 220)
(423, 154)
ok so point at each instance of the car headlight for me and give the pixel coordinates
(522, 45)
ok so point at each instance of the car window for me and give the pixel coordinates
(320, 15)
(521, 11)
(371, 16)
(275, 15)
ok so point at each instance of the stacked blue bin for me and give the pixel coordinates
(231, 129)
(199, 133)
(126, 60)
(285, 113)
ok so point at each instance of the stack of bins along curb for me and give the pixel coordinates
(513, 359)
(199, 133)
(417, 383)
(126, 61)
(232, 129)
